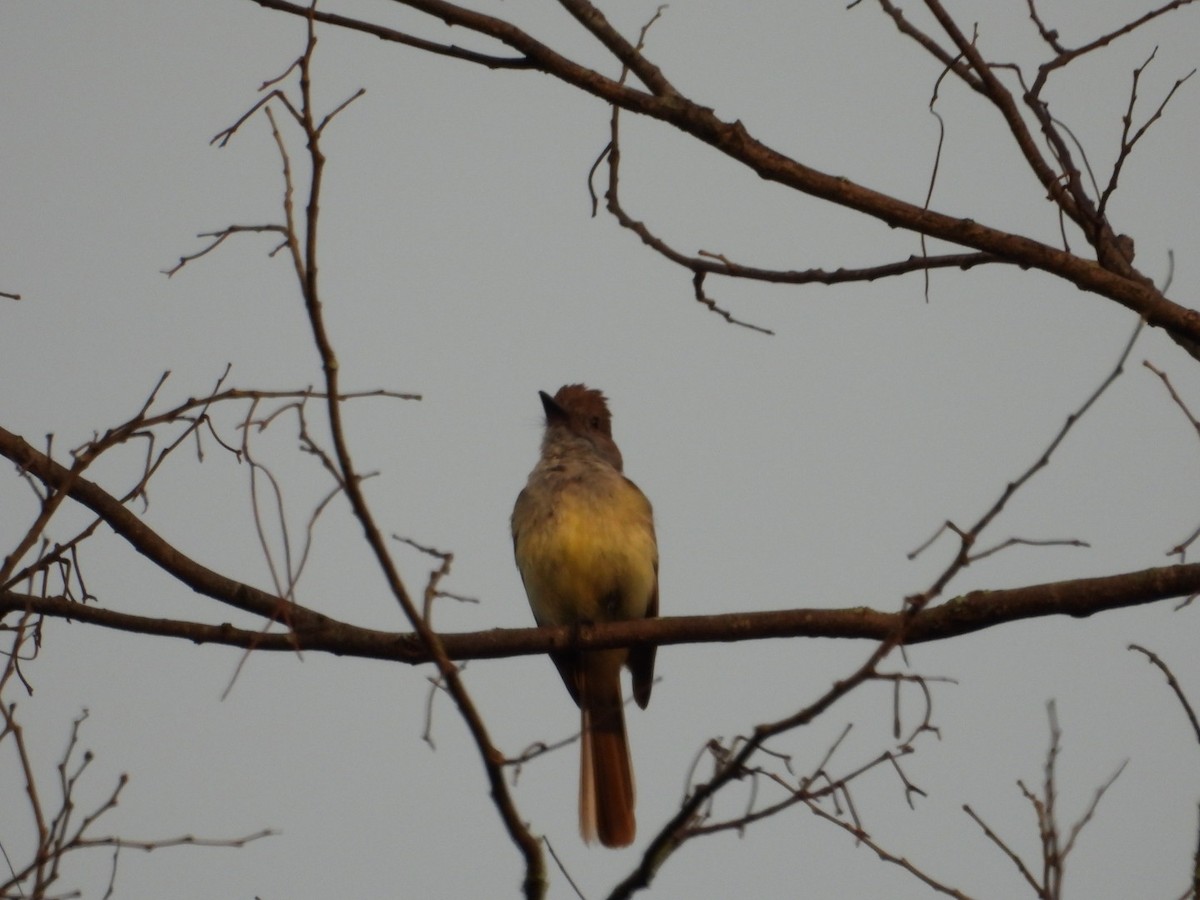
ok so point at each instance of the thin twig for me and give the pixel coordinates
(967, 537)
(1173, 682)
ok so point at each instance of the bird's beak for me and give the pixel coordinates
(554, 412)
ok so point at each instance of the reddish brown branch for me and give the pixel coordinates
(1066, 193)
(1066, 56)
(708, 263)
(144, 539)
(400, 37)
(313, 630)
(1128, 141)
(1054, 849)
(630, 57)
(866, 840)
(1121, 284)
(302, 243)
(968, 613)
(1175, 686)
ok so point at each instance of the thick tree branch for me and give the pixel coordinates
(731, 138)
(148, 542)
(976, 611)
(630, 56)
(312, 630)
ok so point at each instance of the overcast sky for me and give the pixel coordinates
(460, 261)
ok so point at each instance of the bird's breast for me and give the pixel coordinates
(588, 556)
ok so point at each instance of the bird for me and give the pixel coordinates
(584, 542)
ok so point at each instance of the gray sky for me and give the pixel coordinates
(459, 260)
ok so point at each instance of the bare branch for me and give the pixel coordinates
(1028, 542)
(971, 612)
(186, 840)
(1050, 36)
(1173, 682)
(1065, 57)
(400, 37)
(704, 299)
(630, 57)
(56, 834)
(968, 537)
(302, 243)
(1054, 850)
(1008, 851)
(219, 238)
(1180, 549)
(563, 869)
(1091, 809)
(435, 575)
(1129, 142)
(953, 62)
(864, 838)
(1114, 279)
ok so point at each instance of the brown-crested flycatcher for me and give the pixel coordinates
(583, 535)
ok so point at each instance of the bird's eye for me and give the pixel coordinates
(596, 422)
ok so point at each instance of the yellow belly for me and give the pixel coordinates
(590, 561)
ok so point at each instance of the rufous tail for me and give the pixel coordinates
(606, 793)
